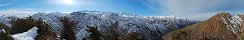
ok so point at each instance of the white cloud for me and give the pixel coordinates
(76, 2)
(18, 12)
(152, 5)
(24, 12)
(68, 1)
(192, 6)
(193, 9)
(4, 4)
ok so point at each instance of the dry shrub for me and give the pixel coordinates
(131, 36)
(4, 36)
(95, 35)
(22, 25)
(67, 31)
(45, 33)
(112, 31)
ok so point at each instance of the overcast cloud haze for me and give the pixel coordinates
(190, 9)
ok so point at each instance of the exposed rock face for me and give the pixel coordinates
(223, 26)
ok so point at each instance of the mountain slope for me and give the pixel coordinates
(7, 20)
(118, 25)
(97, 25)
(223, 26)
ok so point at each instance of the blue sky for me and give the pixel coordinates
(191, 9)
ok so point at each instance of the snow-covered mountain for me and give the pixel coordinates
(110, 25)
(223, 26)
(7, 19)
(149, 27)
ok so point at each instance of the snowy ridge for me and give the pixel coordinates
(52, 19)
(7, 20)
(233, 23)
(126, 23)
(123, 24)
(29, 35)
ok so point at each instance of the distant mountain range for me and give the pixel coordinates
(93, 25)
(98, 25)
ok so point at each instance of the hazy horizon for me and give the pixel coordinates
(190, 9)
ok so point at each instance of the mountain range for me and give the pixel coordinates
(99, 25)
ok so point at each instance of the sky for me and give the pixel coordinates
(190, 9)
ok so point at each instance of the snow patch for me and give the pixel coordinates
(234, 23)
(2, 31)
(224, 20)
(29, 35)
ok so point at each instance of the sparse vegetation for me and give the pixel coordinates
(44, 32)
(68, 29)
(131, 36)
(95, 35)
(113, 33)
(22, 25)
(4, 36)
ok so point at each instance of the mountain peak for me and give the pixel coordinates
(221, 26)
(92, 25)
(123, 24)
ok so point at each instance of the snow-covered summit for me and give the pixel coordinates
(151, 27)
(110, 24)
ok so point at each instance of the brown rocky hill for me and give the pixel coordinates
(223, 26)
